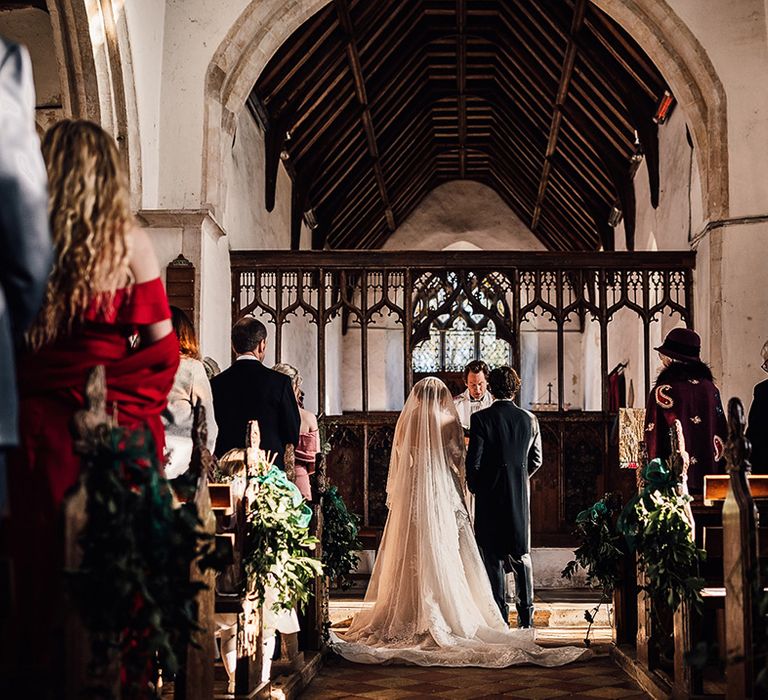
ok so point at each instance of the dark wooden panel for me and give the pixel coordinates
(180, 285)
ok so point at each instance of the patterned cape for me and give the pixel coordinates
(685, 391)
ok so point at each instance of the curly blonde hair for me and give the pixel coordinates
(89, 210)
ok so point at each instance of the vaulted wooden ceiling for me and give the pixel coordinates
(373, 103)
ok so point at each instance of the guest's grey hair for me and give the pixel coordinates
(291, 372)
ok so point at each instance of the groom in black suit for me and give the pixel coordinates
(504, 451)
(250, 391)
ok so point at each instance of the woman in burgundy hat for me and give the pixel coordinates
(685, 391)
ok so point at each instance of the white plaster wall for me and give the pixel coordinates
(679, 212)
(463, 211)
(385, 369)
(334, 368)
(215, 326)
(167, 244)
(745, 326)
(146, 27)
(248, 224)
(193, 31)
(734, 37)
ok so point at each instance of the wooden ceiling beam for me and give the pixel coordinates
(569, 61)
(292, 56)
(461, 79)
(386, 100)
(345, 21)
(654, 83)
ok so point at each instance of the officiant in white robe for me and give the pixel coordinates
(476, 396)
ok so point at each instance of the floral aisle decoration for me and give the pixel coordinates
(341, 544)
(278, 544)
(657, 525)
(601, 552)
(340, 538)
(132, 586)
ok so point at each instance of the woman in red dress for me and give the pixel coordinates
(103, 293)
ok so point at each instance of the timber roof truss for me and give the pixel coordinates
(373, 103)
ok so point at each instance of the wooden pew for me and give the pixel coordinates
(195, 679)
(316, 609)
(87, 426)
(730, 535)
(250, 653)
(740, 550)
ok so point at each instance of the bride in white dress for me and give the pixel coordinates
(431, 599)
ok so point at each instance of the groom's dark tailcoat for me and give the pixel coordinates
(250, 391)
(504, 451)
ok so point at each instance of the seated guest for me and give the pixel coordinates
(104, 290)
(309, 435)
(190, 385)
(685, 391)
(250, 391)
(757, 432)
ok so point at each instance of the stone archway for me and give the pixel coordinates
(264, 25)
(96, 73)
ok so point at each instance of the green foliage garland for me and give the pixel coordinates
(602, 548)
(656, 523)
(601, 551)
(278, 542)
(132, 587)
(340, 538)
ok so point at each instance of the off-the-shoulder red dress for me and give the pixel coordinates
(51, 389)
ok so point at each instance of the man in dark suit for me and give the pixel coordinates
(24, 235)
(250, 391)
(757, 432)
(504, 451)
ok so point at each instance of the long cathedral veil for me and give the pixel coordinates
(429, 601)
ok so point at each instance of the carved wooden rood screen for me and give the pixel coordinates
(351, 321)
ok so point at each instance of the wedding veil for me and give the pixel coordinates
(429, 437)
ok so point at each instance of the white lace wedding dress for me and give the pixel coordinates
(431, 599)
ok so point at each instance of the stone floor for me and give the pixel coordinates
(596, 678)
(559, 620)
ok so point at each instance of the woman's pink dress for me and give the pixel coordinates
(306, 450)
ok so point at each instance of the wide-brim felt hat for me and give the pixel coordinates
(681, 344)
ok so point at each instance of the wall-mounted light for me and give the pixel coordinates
(284, 155)
(664, 108)
(310, 219)
(614, 218)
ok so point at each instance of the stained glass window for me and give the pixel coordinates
(426, 355)
(460, 325)
(452, 349)
(493, 350)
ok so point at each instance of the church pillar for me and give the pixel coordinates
(197, 235)
(737, 310)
